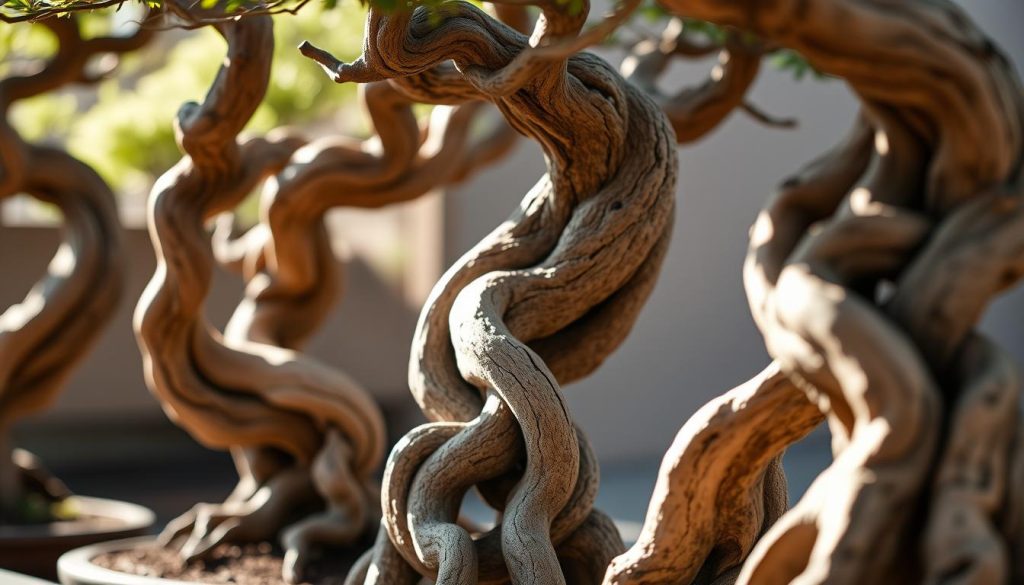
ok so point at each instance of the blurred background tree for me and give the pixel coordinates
(121, 127)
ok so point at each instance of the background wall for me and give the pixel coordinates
(694, 340)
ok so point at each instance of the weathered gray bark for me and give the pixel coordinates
(867, 274)
(310, 433)
(45, 336)
(539, 303)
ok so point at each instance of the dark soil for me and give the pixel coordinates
(253, 564)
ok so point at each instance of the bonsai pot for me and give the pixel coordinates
(9, 578)
(76, 567)
(34, 549)
(139, 561)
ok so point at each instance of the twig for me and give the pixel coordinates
(766, 118)
(59, 10)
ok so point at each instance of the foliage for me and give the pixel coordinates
(785, 60)
(124, 129)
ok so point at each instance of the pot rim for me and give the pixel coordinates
(76, 566)
(130, 517)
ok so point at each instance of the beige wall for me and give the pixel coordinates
(367, 334)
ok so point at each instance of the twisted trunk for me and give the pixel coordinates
(923, 197)
(292, 275)
(538, 303)
(293, 279)
(319, 426)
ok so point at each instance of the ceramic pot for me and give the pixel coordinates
(34, 549)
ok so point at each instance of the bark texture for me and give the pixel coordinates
(867, 274)
(305, 436)
(537, 304)
(45, 336)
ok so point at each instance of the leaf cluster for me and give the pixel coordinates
(785, 60)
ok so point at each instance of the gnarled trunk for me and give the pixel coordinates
(293, 278)
(323, 436)
(537, 304)
(867, 274)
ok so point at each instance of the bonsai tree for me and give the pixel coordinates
(499, 321)
(232, 395)
(287, 261)
(538, 303)
(867, 274)
(45, 336)
(292, 280)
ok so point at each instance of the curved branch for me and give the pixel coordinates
(65, 67)
(304, 433)
(695, 111)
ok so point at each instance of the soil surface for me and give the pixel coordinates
(253, 564)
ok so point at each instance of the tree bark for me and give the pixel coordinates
(309, 432)
(538, 303)
(867, 274)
